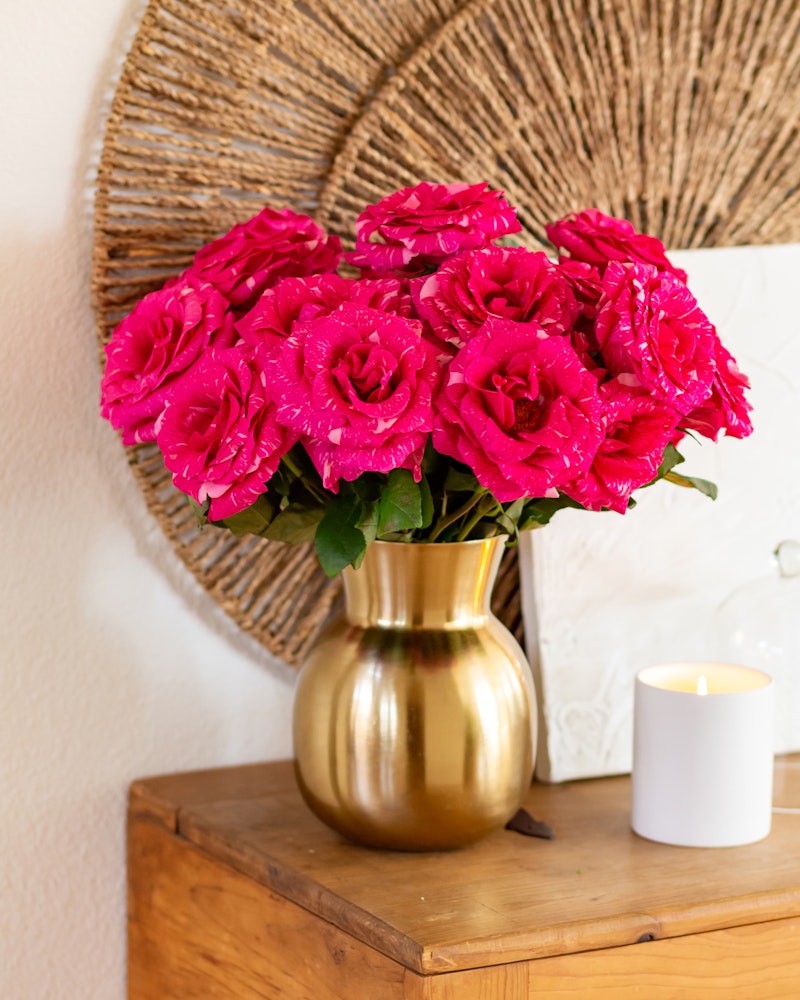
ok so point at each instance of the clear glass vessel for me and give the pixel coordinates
(758, 625)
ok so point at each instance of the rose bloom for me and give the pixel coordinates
(519, 409)
(357, 385)
(637, 430)
(218, 432)
(726, 408)
(586, 285)
(511, 283)
(299, 300)
(651, 328)
(413, 230)
(257, 254)
(595, 238)
(164, 334)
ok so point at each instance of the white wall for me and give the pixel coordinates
(113, 663)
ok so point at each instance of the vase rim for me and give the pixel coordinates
(423, 584)
(438, 545)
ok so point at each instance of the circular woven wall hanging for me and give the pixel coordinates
(681, 115)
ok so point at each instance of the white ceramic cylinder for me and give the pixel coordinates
(702, 762)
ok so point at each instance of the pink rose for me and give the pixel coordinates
(653, 334)
(637, 431)
(587, 287)
(299, 300)
(586, 284)
(519, 409)
(357, 384)
(507, 282)
(726, 408)
(386, 294)
(415, 229)
(163, 336)
(218, 432)
(257, 254)
(596, 239)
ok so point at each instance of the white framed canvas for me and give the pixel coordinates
(605, 595)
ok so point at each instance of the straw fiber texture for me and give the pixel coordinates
(681, 115)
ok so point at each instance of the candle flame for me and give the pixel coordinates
(702, 684)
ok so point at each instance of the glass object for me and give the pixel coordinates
(758, 625)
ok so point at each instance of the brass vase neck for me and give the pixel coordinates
(423, 585)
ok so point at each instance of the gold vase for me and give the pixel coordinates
(415, 713)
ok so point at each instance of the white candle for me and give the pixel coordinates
(702, 754)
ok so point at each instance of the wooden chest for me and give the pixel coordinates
(237, 892)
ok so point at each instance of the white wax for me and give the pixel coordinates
(702, 763)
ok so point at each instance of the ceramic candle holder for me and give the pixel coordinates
(702, 754)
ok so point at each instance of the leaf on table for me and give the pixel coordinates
(523, 822)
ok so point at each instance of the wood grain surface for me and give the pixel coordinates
(507, 899)
(199, 930)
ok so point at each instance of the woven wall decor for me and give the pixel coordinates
(681, 115)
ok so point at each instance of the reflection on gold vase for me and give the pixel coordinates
(415, 714)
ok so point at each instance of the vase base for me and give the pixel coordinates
(439, 825)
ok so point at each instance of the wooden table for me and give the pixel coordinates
(236, 891)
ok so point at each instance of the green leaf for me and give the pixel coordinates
(253, 520)
(368, 486)
(704, 486)
(539, 512)
(427, 509)
(282, 482)
(338, 541)
(509, 527)
(432, 461)
(515, 509)
(672, 457)
(509, 517)
(200, 510)
(400, 506)
(295, 524)
(461, 482)
(367, 522)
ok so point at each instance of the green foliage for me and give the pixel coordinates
(253, 520)
(200, 511)
(704, 486)
(673, 457)
(447, 504)
(400, 504)
(338, 541)
(539, 512)
(294, 524)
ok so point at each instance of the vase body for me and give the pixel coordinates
(415, 713)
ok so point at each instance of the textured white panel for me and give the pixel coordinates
(607, 594)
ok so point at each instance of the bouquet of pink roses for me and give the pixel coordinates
(456, 388)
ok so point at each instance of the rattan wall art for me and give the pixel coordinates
(682, 115)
